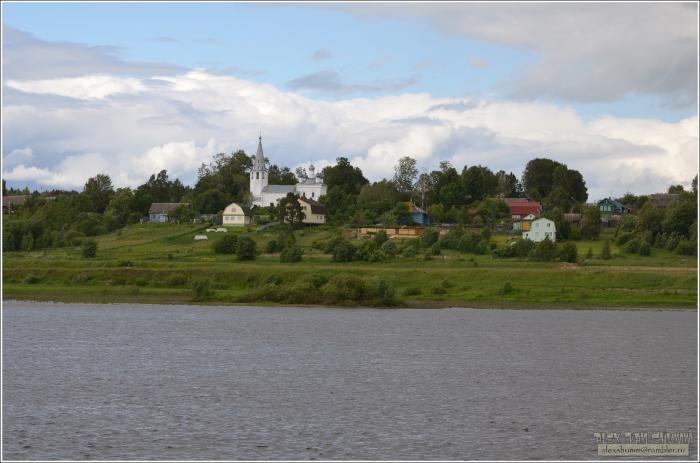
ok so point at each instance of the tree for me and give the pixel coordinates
(228, 244)
(212, 201)
(99, 191)
(378, 197)
(290, 210)
(343, 175)
(405, 173)
(478, 182)
(507, 184)
(590, 223)
(182, 214)
(605, 252)
(291, 254)
(119, 210)
(675, 189)
(281, 176)
(542, 175)
(245, 250)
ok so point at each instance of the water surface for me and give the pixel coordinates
(177, 382)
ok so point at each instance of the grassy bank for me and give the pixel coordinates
(162, 264)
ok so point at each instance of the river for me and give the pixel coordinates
(124, 381)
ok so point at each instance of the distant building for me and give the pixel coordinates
(235, 216)
(314, 212)
(661, 200)
(417, 215)
(573, 218)
(270, 195)
(541, 229)
(10, 203)
(158, 212)
(520, 208)
(609, 206)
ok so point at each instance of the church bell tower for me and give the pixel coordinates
(258, 175)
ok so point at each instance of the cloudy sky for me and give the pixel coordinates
(609, 89)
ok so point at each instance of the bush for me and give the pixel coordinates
(124, 263)
(228, 244)
(271, 247)
(645, 249)
(605, 253)
(631, 246)
(435, 249)
(429, 237)
(544, 251)
(385, 292)
(245, 249)
(291, 254)
(589, 254)
(451, 239)
(344, 288)
(390, 249)
(380, 238)
(411, 291)
(623, 238)
(519, 248)
(343, 251)
(507, 288)
(575, 234)
(365, 249)
(88, 248)
(201, 291)
(686, 248)
(568, 253)
(485, 234)
(409, 252)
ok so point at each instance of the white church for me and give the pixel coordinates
(269, 195)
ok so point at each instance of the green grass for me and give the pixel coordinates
(160, 263)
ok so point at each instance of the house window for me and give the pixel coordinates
(272, 204)
(257, 175)
(263, 175)
(312, 194)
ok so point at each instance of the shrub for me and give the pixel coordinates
(686, 248)
(589, 254)
(365, 249)
(568, 252)
(605, 253)
(343, 251)
(385, 292)
(201, 291)
(575, 234)
(33, 279)
(228, 244)
(411, 291)
(176, 280)
(409, 252)
(390, 249)
(485, 234)
(544, 251)
(124, 263)
(435, 249)
(88, 248)
(645, 249)
(343, 288)
(245, 249)
(451, 239)
(272, 247)
(291, 254)
(631, 246)
(429, 237)
(507, 288)
(623, 238)
(380, 238)
(316, 281)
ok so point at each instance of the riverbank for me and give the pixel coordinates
(162, 265)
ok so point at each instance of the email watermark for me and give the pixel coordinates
(643, 444)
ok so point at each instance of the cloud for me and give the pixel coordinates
(330, 82)
(162, 39)
(584, 52)
(320, 55)
(379, 63)
(18, 156)
(177, 122)
(26, 57)
(425, 64)
(83, 88)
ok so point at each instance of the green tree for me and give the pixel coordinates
(281, 176)
(119, 210)
(590, 223)
(211, 201)
(478, 182)
(228, 244)
(245, 250)
(405, 173)
(290, 210)
(99, 191)
(378, 198)
(343, 175)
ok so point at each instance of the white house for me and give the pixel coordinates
(540, 229)
(269, 195)
(235, 216)
(314, 212)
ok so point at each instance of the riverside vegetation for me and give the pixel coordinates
(159, 263)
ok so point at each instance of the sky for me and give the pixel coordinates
(128, 89)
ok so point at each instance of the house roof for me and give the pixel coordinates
(510, 201)
(663, 199)
(283, 189)
(316, 207)
(14, 200)
(524, 208)
(163, 208)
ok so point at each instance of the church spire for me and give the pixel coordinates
(259, 156)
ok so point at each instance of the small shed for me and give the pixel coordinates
(235, 215)
(418, 215)
(158, 212)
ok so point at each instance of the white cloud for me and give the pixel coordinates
(83, 88)
(197, 114)
(18, 156)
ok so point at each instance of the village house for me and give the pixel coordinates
(235, 215)
(270, 195)
(609, 206)
(10, 203)
(314, 212)
(520, 208)
(158, 212)
(541, 229)
(415, 214)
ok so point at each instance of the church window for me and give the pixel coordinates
(257, 175)
(312, 194)
(263, 175)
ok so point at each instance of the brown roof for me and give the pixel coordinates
(510, 201)
(316, 207)
(14, 200)
(662, 199)
(164, 208)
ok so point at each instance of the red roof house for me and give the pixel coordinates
(521, 209)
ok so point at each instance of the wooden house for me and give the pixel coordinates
(235, 215)
(314, 212)
(158, 212)
(541, 229)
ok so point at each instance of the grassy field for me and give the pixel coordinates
(154, 263)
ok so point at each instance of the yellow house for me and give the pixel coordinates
(314, 212)
(235, 216)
